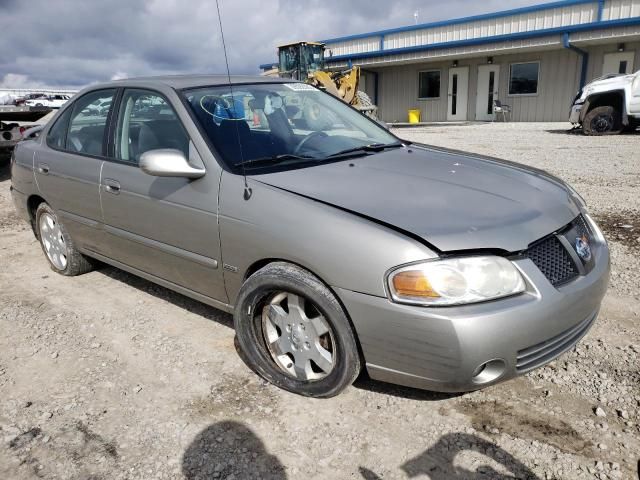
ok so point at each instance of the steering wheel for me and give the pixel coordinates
(306, 139)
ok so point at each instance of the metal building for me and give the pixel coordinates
(534, 59)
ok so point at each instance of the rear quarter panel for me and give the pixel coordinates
(22, 178)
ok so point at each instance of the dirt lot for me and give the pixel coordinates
(107, 376)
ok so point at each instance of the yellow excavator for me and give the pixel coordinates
(305, 61)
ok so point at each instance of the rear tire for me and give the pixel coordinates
(603, 120)
(282, 347)
(58, 248)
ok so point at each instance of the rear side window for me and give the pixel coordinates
(88, 122)
(58, 133)
(147, 122)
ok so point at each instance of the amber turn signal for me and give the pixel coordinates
(413, 283)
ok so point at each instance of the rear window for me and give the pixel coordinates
(58, 133)
(88, 123)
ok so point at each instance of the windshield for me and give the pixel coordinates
(292, 123)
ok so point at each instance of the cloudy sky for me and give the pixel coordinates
(71, 43)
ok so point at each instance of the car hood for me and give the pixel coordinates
(612, 81)
(452, 200)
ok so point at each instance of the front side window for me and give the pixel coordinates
(88, 123)
(523, 78)
(283, 123)
(429, 84)
(147, 122)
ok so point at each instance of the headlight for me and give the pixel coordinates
(455, 281)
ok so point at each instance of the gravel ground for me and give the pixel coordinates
(107, 376)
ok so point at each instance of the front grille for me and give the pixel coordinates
(541, 353)
(553, 260)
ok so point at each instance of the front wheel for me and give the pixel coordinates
(603, 120)
(294, 333)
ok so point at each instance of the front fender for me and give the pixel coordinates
(596, 99)
(342, 249)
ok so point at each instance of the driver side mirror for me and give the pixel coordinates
(168, 162)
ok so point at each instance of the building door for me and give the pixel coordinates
(621, 62)
(488, 78)
(458, 93)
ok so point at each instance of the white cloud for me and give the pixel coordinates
(96, 41)
(119, 76)
(15, 80)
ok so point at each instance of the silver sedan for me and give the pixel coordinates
(338, 247)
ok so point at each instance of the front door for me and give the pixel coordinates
(488, 78)
(163, 226)
(621, 62)
(458, 93)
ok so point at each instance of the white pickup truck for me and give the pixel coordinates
(608, 105)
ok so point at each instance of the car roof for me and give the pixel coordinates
(180, 82)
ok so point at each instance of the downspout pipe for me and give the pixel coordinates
(585, 58)
(600, 10)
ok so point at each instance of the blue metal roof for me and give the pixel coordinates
(492, 39)
(476, 41)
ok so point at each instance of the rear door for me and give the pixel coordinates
(163, 226)
(67, 166)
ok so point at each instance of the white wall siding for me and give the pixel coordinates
(363, 45)
(576, 14)
(552, 41)
(630, 32)
(558, 17)
(519, 23)
(597, 53)
(558, 82)
(617, 9)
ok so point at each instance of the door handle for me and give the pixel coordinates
(43, 168)
(112, 186)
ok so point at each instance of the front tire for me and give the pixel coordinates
(294, 333)
(57, 245)
(603, 120)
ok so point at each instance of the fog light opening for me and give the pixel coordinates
(488, 371)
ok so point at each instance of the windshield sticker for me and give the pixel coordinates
(299, 87)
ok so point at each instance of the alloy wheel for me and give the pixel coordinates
(298, 337)
(53, 241)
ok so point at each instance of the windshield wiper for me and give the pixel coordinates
(372, 147)
(273, 160)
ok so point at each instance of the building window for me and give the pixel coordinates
(429, 84)
(523, 78)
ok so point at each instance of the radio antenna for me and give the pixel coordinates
(247, 190)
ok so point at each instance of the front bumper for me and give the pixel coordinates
(576, 110)
(441, 349)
